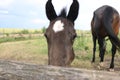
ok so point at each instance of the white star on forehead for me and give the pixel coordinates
(58, 26)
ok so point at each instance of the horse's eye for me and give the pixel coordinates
(45, 35)
(74, 36)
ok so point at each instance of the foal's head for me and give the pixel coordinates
(60, 34)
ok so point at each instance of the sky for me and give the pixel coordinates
(30, 14)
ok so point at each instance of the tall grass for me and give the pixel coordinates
(8, 35)
(12, 30)
(83, 41)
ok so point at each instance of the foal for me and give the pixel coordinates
(60, 34)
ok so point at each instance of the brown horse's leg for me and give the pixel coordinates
(101, 48)
(94, 48)
(113, 55)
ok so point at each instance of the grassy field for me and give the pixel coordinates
(12, 30)
(35, 51)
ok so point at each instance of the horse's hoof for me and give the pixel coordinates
(99, 67)
(111, 70)
(92, 62)
(101, 64)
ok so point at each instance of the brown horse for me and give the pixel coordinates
(105, 22)
(60, 34)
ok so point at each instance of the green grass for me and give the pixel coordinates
(15, 30)
(35, 51)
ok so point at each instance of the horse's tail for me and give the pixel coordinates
(107, 22)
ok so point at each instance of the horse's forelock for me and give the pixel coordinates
(63, 13)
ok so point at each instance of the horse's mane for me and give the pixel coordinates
(63, 13)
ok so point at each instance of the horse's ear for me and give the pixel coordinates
(73, 12)
(50, 11)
